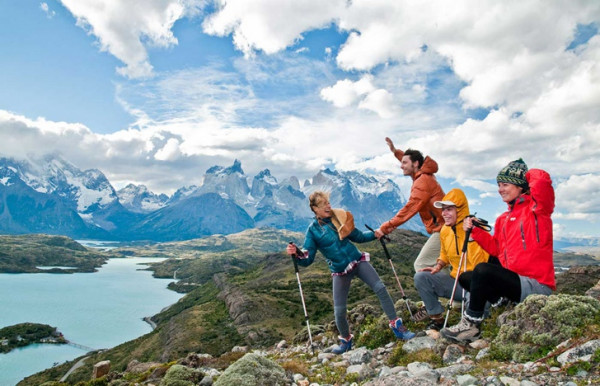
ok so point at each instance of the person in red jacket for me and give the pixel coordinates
(424, 192)
(522, 245)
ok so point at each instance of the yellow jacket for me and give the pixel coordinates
(452, 238)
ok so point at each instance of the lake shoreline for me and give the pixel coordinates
(99, 310)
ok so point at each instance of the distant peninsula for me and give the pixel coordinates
(27, 253)
(24, 334)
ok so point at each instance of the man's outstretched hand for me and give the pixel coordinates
(390, 144)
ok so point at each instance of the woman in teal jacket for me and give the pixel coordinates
(331, 233)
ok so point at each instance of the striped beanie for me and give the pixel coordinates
(514, 173)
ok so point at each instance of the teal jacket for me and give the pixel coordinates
(338, 253)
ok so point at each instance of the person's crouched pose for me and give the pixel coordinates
(434, 282)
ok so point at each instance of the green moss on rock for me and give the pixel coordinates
(179, 375)
(251, 370)
(537, 325)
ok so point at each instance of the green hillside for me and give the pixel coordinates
(242, 291)
(24, 253)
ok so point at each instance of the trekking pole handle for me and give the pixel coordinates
(373, 230)
(381, 240)
(466, 242)
(480, 223)
(294, 255)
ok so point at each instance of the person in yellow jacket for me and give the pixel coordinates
(434, 282)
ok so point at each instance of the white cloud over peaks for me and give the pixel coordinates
(346, 92)
(379, 101)
(269, 25)
(169, 152)
(123, 27)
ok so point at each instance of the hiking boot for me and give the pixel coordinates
(345, 345)
(463, 332)
(420, 315)
(435, 324)
(400, 330)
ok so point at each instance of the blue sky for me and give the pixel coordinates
(155, 92)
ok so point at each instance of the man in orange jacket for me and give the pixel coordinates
(423, 193)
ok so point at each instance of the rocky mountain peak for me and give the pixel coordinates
(137, 198)
(235, 168)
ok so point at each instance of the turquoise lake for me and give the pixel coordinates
(97, 310)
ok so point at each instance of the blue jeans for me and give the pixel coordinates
(431, 287)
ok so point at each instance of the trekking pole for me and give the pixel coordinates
(302, 297)
(387, 254)
(462, 263)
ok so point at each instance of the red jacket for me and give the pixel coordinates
(522, 238)
(424, 192)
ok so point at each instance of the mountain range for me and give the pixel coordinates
(51, 195)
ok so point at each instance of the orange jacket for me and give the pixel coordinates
(424, 192)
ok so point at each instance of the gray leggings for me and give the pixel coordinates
(341, 287)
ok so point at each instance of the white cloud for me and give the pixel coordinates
(409, 70)
(578, 198)
(169, 152)
(380, 101)
(124, 28)
(346, 92)
(50, 13)
(267, 25)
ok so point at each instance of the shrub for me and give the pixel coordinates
(536, 326)
(179, 375)
(253, 369)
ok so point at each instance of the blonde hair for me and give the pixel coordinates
(316, 198)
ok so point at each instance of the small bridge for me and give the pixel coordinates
(80, 346)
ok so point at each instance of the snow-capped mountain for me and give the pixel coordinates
(52, 195)
(181, 193)
(285, 204)
(55, 176)
(137, 198)
(39, 198)
(229, 183)
(371, 200)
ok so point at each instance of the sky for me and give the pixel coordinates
(155, 92)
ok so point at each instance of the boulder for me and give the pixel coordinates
(101, 369)
(140, 367)
(583, 352)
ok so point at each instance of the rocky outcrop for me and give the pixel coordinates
(594, 292)
(238, 304)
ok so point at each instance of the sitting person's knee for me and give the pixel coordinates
(422, 278)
